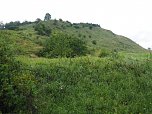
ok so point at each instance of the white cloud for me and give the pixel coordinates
(125, 17)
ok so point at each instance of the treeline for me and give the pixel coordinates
(13, 25)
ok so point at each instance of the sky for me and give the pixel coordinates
(130, 18)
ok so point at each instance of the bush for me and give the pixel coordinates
(42, 29)
(62, 45)
(15, 86)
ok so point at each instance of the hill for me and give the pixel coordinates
(96, 37)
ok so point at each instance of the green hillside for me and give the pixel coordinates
(96, 37)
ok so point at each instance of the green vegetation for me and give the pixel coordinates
(42, 29)
(16, 86)
(94, 42)
(96, 38)
(92, 85)
(15, 25)
(56, 67)
(62, 45)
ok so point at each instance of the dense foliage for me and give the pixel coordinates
(15, 25)
(16, 93)
(62, 45)
(42, 29)
(88, 85)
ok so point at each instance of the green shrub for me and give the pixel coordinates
(42, 29)
(62, 45)
(25, 87)
(16, 93)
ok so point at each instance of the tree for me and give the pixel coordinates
(63, 45)
(26, 22)
(60, 20)
(12, 25)
(38, 20)
(47, 17)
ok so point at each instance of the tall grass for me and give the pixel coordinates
(92, 85)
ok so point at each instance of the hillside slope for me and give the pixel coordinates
(102, 38)
(96, 37)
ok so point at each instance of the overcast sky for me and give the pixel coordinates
(131, 18)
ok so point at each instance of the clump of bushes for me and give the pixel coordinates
(16, 86)
(42, 29)
(63, 45)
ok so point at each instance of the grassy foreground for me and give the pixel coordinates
(91, 85)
